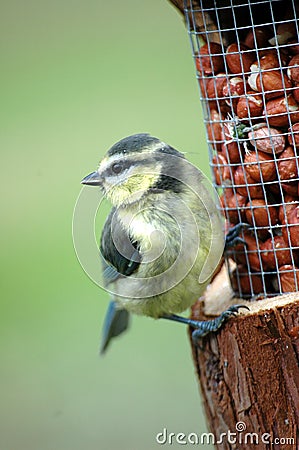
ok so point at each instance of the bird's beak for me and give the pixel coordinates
(93, 179)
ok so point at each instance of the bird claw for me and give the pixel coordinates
(233, 236)
(202, 328)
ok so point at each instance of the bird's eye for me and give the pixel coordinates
(117, 168)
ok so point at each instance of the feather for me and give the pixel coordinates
(115, 323)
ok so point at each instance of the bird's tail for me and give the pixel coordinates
(116, 322)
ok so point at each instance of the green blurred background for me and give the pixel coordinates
(76, 77)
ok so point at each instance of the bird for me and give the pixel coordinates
(163, 238)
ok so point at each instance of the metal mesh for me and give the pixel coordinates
(247, 63)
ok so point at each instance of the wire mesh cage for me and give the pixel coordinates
(247, 63)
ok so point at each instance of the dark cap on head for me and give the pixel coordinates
(134, 143)
(138, 143)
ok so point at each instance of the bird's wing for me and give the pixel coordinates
(120, 257)
(116, 322)
(120, 253)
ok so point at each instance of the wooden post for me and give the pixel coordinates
(249, 371)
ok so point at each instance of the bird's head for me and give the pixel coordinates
(135, 167)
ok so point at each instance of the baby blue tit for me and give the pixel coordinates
(163, 238)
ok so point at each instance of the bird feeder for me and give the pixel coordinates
(246, 59)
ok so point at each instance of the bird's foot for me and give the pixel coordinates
(202, 328)
(233, 236)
